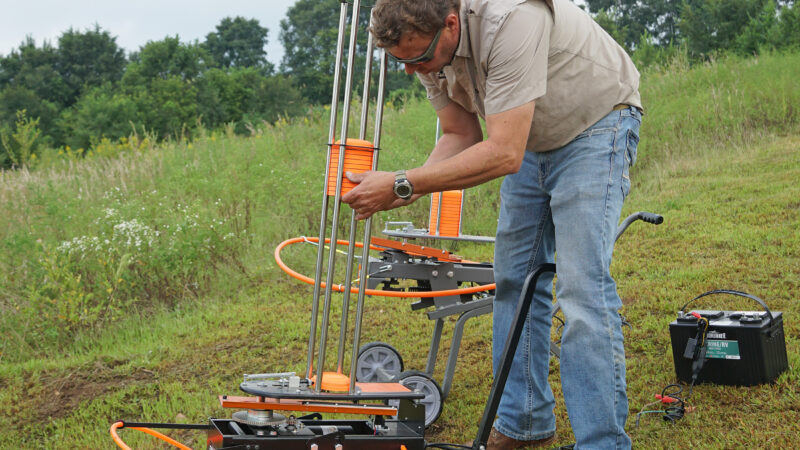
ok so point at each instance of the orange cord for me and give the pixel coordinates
(163, 437)
(376, 292)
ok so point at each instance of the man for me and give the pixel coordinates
(562, 110)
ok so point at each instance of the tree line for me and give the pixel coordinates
(85, 87)
(702, 29)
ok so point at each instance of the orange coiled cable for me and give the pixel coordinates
(376, 292)
(124, 446)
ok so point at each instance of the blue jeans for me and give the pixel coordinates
(566, 202)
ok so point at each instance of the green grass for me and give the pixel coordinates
(719, 159)
(692, 114)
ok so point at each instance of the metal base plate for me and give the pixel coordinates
(422, 233)
(363, 391)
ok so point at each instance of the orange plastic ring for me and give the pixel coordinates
(376, 292)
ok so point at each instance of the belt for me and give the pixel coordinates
(622, 106)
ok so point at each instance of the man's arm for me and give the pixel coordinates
(448, 168)
(500, 154)
(460, 130)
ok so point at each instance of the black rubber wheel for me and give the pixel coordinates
(374, 356)
(425, 384)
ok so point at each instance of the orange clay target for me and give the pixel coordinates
(376, 292)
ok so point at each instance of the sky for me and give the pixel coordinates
(135, 22)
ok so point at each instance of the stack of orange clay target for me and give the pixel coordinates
(446, 221)
(358, 155)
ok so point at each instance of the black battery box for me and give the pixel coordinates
(743, 348)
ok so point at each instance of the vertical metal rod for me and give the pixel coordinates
(346, 300)
(362, 283)
(324, 216)
(367, 80)
(441, 194)
(461, 212)
(353, 223)
(337, 201)
(439, 214)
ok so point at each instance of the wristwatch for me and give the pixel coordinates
(402, 187)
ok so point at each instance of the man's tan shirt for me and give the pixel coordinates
(514, 51)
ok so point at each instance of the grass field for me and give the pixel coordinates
(140, 284)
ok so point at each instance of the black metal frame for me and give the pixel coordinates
(528, 289)
(312, 432)
(350, 435)
(432, 274)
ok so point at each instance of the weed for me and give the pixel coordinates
(19, 146)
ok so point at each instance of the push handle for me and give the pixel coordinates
(510, 349)
(733, 292)
(655, 219)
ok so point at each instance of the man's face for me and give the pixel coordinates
(428, 54)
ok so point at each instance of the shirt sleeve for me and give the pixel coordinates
(517, 61)
(436, 95)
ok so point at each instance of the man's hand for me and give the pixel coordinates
(375, 192)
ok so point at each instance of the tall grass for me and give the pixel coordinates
(723, 105)
(135, 226)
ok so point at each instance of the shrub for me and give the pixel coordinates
(135, 256)
(100, 113)
(19, 146)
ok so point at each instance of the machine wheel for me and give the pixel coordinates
(425, 384)
(374, 356)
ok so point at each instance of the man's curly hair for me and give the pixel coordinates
(391, 19)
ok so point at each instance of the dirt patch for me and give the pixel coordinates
(231, 358)
(60, 395)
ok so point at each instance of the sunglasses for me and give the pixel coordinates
(425, 57)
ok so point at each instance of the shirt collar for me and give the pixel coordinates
(463, 49)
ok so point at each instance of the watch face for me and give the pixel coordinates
(402, 187)
(403, 190)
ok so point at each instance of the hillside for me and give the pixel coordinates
(139, 284)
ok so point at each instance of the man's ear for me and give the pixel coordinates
(452, 21)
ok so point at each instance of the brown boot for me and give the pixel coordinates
(499, 441)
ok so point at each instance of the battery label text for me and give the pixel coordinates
(723, 349)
